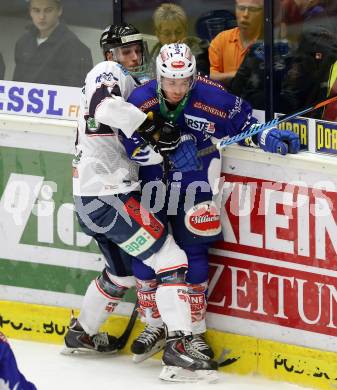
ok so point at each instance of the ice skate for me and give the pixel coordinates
(149, 342)
(78, 341)
(182, 364)
(200, 347)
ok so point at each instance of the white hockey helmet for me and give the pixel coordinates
(176, 61)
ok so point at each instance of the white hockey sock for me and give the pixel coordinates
(174, 307)
(97, 306)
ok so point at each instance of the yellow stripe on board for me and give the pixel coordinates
(310, 367)
(238, 354)
(44, 323)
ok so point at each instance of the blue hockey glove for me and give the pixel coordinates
(279, 141)
(184, 158)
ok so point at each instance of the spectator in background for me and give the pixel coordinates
(249, 80)
(228, 49)
(49, 53)
(2, 67)
(170, 24)
(296, 11)
(312, 73)
(300, 14)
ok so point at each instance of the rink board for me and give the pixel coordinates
(237, 354)
(273, 276)
(275, 273)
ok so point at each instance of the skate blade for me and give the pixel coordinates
(138, 358)
(179, 374)
(84, 352)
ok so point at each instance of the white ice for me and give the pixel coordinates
(43, 365)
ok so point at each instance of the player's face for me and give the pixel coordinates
(130, 56)
(175, 89)
(45, 15)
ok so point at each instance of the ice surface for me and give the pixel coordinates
(43, 365)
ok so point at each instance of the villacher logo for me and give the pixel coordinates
(203, 219)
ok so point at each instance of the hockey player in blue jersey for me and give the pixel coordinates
(204, 112)
(107, 201)
(10, 376)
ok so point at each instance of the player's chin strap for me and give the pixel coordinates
(257, 128)
(171, 115)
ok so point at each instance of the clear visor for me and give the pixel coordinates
(178, 86)
(134, 57)
(174, 90)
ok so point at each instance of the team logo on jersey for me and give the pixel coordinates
(92, 125)
(236, 109)
(203, 219)
(199, 124)
(106, 78)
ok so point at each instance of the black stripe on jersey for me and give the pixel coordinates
(101, 93)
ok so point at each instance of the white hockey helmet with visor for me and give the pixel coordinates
(176, 61)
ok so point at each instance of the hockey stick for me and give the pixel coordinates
(257, 128)
(123, 339)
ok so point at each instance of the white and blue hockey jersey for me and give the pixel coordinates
(101, 165)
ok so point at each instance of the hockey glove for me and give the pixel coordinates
(279, 141)
(149, 129)
(140, 151)
(185, 159)
(169, 138)
(162, 135)
(145, 155)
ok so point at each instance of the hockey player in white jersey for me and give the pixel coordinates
(107, 202)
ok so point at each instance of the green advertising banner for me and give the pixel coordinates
(42, 246)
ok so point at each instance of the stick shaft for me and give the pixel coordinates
(257, 128)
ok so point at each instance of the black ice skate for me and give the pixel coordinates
(182, 364)
(148, 343)
(78, 341)
(200, 347)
